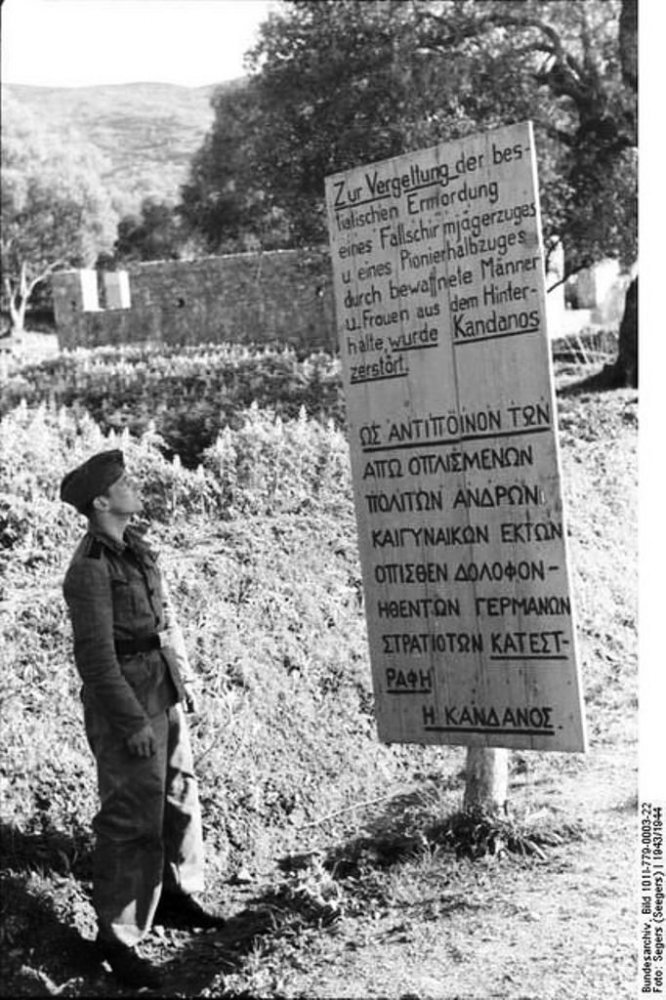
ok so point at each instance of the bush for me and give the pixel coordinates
(188, 394)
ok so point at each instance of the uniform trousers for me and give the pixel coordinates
(148, 828)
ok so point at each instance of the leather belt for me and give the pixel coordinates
(125, 647)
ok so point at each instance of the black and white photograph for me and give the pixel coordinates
(321, 522)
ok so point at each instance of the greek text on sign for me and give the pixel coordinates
(440, 305)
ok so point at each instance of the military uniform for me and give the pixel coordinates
(133, 664)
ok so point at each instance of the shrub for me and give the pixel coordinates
(187, 394)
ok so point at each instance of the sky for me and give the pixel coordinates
(72, 43)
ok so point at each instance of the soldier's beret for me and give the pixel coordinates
(87, 481)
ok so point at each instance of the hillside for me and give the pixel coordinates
(146, 132)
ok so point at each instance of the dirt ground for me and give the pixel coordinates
(435, 928)
(562, 927)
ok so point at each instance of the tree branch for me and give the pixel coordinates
(555, 133)
(44, 275)
(536, 47)
(569, 274)
(569, 73)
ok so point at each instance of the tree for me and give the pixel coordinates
(156, 234)
(54, 211)
(581, 56)
(330, 92)
(223, 201)
(340, 82)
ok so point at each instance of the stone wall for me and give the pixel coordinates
(283, 296)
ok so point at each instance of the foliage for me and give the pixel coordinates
(560, 64)
(144, 133)
(476, 833)
(186, 395)
(303, 115)
(223, 200)
(54, 211)
(342, 82)
(329, 94)
(155, 234)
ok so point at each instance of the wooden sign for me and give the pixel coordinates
(440, 305)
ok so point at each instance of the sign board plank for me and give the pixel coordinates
(441, 318)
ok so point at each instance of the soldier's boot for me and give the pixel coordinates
(180, 910)
(127, 967)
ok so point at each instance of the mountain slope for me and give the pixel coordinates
(146, 132)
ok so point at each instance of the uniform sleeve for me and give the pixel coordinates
(87, 590)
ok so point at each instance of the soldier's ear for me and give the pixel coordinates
(100, 503)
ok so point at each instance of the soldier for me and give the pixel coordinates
(130, 653)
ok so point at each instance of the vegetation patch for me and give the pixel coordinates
(187, 396)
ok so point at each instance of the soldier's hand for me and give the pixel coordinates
(142, 744)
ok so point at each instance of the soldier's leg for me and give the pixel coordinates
(129, 857)
(183, 840)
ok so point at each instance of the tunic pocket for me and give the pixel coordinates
(122, 594)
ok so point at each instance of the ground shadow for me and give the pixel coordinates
(47, 925)
(604, 380)
(41, 946)
(41, 929)
(63, 960)
(259, 918)
(200, 958)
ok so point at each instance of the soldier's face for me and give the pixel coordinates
(123, 496)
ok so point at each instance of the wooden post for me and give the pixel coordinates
(486, 779)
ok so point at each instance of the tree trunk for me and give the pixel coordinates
(19, 294)
(18, 300)
(626, 366)
(486, 779)
(623, 373)
(17, 307)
